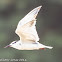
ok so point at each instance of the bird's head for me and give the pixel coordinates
(14, 44)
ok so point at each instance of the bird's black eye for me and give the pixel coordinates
(13, 42)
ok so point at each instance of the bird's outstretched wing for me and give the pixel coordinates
(26, 28)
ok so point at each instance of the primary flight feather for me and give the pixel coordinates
(27, 32)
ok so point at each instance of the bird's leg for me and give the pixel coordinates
(42, 48)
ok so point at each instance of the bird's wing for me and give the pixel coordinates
(26, 28)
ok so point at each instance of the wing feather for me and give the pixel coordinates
(26, 28)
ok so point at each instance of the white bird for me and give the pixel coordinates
(26, 30)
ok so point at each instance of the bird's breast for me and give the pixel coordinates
(29, 47)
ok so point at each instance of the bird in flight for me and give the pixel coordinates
(27, 32)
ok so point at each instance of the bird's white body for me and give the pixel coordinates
(27, 32)
(29, 46)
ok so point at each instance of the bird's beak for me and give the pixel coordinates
(7, 46)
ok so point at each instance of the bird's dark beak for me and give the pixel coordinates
(7, 46)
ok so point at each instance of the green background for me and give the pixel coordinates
(49, 27)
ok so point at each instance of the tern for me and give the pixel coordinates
(27, 32)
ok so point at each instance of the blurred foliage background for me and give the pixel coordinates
(49, 27)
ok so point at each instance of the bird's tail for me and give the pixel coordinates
(43, 46)
(48, 47)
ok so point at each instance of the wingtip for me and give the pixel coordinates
(36, 10)
(39, 7)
